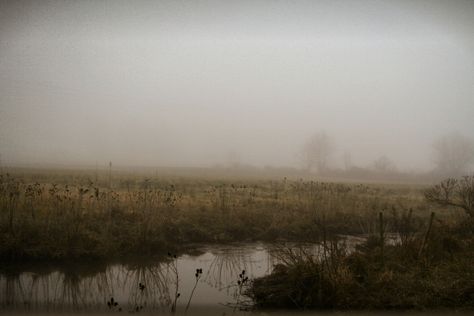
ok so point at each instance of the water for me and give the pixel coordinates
(84, 288)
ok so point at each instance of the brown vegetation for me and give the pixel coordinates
(65, 215)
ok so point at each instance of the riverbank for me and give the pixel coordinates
(424, 272)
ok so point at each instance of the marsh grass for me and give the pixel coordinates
(67, 216)
(197, 275)
(430, 270)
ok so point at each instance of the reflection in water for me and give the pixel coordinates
(226, 266)
(72, 290)
(147, 286)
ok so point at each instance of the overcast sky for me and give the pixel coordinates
(166, 83)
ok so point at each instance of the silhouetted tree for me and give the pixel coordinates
(453, 153)
(316, 152)
(384, 164)
(347, 159)
(453, 192)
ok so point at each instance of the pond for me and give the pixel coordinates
(144, 286)
(147, 287)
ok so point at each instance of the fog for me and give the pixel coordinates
(200, 83)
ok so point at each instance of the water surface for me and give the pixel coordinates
(83, 288)
(87, 289)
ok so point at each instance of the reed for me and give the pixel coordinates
(68, 216)
(431, 272)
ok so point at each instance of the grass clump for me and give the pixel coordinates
(419, 274)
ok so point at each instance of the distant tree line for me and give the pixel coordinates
(453, 155)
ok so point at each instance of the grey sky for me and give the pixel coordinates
(190, 82)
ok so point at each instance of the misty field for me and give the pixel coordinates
(413, 254)
(218, 157)
(70, 215)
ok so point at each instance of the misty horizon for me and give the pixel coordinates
(164, 83)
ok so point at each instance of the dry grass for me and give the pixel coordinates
(79, 214)
(430, 271)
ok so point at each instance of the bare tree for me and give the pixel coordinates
(316, 152)
(347, 159)
(453, 153)
(384, 164)
(234, 159)
(453, 192)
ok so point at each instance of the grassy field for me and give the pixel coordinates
(65, 215)
(71, 214)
